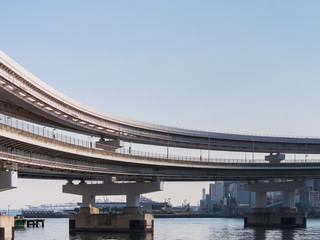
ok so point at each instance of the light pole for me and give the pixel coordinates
(7, 120)
(8, 209)
(305, 150)
(53, 135)
(168, 147)
(43, 130)
(209, 148)
(252, 149)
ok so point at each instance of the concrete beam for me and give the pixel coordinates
(133, 200)
(274, 186)
(288, 200)
(8, 180)
(261, 200)
(111, 188)
(275, 158)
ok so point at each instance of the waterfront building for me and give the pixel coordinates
(203, 193)
(156, 207)
(241, 197)
(216, 196)
(316, 185)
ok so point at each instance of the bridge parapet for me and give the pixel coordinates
(20, 90)
(56, 143)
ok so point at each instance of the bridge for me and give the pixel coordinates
(31, 147)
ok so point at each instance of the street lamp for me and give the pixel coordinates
(168, 146)
(7, 120)
(53, 135)
(252, 149)
(305, 150)
(209, 147)
(8, 209)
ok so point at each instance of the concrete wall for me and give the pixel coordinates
(6, 227)
(268, 219)
(111, 222)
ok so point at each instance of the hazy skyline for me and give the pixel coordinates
(224, 66)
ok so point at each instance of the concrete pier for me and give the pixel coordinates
(6, 227)
(8, 180)
(89, 220)
(287, 217)
(131, 219)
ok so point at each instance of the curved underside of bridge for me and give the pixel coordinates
(24, 96)
(41, 157)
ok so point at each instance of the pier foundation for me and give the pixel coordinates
(6, 227)
(284, 218)
(132, 219)
(128, 221)
(287, 217)
(8, 180)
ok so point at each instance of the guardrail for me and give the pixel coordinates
(50, 136)
(45, 132)
(23, 84)
(24, 160)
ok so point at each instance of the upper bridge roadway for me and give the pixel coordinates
(37, 156)
(24, 96)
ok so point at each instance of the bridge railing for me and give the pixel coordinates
(45, 132)
(32, 92)
(49, 100)
(91, 146)
(13, 159)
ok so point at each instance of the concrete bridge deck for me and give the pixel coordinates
(24, 96)
(42, 157)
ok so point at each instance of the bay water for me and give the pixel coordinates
(176, 229)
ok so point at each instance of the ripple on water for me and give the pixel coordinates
(178, 229)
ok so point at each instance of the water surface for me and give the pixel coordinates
(177, 229)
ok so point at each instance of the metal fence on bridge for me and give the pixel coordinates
(52, 134)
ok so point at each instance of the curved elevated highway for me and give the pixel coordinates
(42, 157)
(25, 97)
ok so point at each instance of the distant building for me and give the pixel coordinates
(146, 206)
(241, 197)
(156, 207)
(316, 185)
(315, 205)
(216, 193)
(205, 204)
(314, 196)
(203, 193)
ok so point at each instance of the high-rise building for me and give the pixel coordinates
(203, 193)
(216, 192)
(316, 185)
(242, 197)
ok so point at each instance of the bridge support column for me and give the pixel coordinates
(261, 200)
(88, 201)
(131, 219)
(288, 216)
(133, 200)
(132, 204)
(288, 198)
(8, 180)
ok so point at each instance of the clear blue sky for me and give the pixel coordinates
(232, 66)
